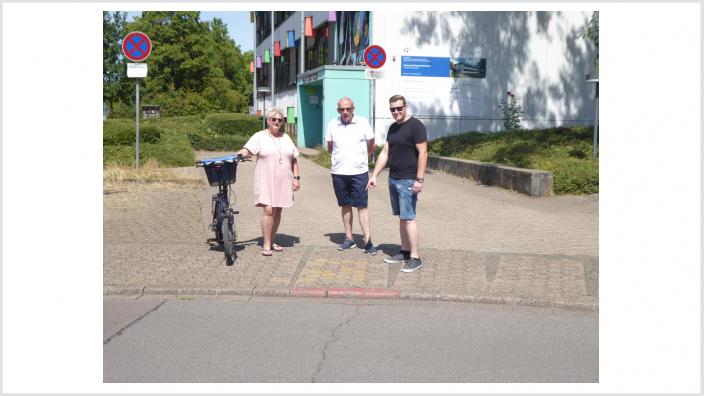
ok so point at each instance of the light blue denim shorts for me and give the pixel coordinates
(403, 199)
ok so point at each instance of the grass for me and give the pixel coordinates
(566, 152)
(150, 172)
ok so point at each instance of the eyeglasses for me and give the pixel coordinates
(396, 109)
(276, 119)
(343, 109)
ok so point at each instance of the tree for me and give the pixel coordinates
(195, 67)
(116, 86)
(592, 34)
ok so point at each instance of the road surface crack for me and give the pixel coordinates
(119, 332)
(334, 338)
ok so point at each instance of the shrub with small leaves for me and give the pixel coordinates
(512, 112)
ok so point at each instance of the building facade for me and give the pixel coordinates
(454, 68)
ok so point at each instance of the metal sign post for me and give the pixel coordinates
(137, 47)
(374, 57)
(137, 71)
(136, 112)
(595, 80)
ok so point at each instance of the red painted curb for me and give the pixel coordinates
(308, 292)
(345, 292)
(341, 292)
(381, 293)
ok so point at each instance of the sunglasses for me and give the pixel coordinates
(276, 119)
(396, 109)
(343, 109)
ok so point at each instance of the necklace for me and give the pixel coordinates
(278, 146)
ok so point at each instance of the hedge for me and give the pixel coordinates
(173, 150)
(123, 134)
(233, 124)
(214, 142)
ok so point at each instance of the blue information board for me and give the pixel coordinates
(425, 66)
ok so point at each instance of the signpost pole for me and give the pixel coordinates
(596, 120)
(373, 113)
(137, 123)
(595, 80)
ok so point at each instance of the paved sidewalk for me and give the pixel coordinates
(478, 244)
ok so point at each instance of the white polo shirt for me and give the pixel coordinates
(349, 145)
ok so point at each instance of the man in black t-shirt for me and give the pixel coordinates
(406, 149)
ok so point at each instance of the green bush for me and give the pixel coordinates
(122, 133)
(173, 150)
(119, 155)
(233, 124)
(214, 142)
(574, 176)
(121, 110)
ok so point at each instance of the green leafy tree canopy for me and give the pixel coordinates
(194, 67)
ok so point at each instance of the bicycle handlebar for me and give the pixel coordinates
(221, 160)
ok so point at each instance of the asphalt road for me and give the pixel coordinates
(289, 340)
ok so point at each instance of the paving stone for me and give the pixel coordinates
(478, 243)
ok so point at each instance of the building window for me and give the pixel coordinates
(286, 68)
(353, 36)
(281, 16)
(317, 48)
(263, 75)
(263, 21)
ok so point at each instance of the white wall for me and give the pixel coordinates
(536, 55)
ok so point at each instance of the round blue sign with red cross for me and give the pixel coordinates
(136, 46)
(374, 56)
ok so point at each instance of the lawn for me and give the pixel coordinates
(566, 152)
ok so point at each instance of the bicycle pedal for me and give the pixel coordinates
(236, 211)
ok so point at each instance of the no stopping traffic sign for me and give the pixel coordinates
(136, 46)
(374, 56)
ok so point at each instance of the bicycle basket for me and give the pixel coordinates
(220, 172)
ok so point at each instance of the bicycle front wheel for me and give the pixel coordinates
(217, 221)
(228, 237)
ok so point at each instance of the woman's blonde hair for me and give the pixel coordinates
(274, 110)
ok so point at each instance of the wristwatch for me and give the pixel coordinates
(419, 179)
(297, 177)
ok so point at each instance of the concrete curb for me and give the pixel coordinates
(534, 182)
(345, 292)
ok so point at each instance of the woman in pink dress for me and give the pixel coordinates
(276, 175)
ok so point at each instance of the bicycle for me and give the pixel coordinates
(221, 172)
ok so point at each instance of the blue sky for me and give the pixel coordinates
(237, 22)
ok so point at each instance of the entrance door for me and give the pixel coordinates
(310, 129)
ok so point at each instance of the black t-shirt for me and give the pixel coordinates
(403, 154)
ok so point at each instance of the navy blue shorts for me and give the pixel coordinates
(351, 190)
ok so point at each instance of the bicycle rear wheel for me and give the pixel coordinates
(227, 229)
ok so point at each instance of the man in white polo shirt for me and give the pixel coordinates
(350, 139)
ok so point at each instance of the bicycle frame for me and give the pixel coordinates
(223, 215)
